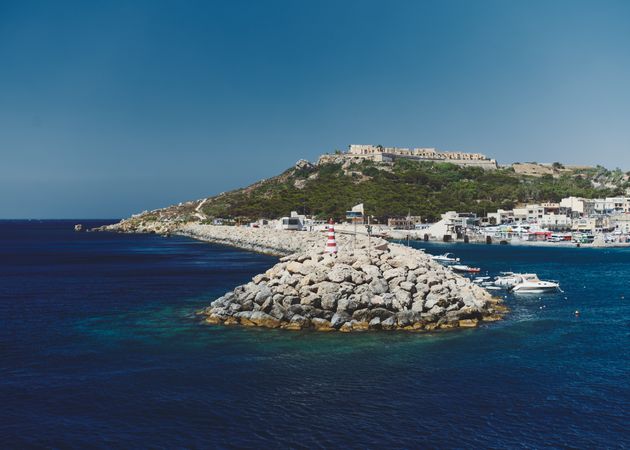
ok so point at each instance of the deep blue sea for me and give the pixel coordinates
(99, 347)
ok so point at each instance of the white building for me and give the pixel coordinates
(529, 213)
(590, 224)
(575, 204)
(555, 221)
(501, 216)
(617, 204)
(621, 223)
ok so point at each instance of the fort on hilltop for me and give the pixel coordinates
(387, 154)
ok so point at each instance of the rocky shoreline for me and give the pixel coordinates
(369, 285)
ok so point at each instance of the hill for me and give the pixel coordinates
(335, 183)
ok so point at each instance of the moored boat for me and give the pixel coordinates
(507, 279)
(481, 280)
(465, 268)
(446, 258)
(530, 284)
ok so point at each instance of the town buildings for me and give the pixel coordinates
(611, 214)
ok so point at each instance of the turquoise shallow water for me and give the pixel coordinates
(100, 348)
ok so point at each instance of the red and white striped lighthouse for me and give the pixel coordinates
(331, 244)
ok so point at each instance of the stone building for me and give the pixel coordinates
(385, 154)
(404, 223)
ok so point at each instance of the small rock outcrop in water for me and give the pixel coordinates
(389, 288)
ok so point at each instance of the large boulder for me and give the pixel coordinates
(347, 304)
(389, 324)
(379, 286)
(372, 272)
(381, 313)
(298, 322)
(393, 273)
(262, 319)
(327, 287)
(329, 301)
(402, 300)
(263, 294)
(278, 312)
(299, 268)
(321, 324)
(361, 314)
(340, 273)
(311, 300)
(339, 318)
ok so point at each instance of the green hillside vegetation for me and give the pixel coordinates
(420, 188)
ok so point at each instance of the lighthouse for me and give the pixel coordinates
(331, 244)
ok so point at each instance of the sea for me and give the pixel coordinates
(100, 347)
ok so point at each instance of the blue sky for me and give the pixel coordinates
(110, 108)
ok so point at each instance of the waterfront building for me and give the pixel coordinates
(556, 222)
(606, 206)
(550, 207)
(294, 222)
(529, 213)
(501, 216)
(589, 224)
(452, 224)
(404, 223)
(575, 204)
(615, 205)
(621, 223)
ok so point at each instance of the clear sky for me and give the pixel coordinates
(109, 108)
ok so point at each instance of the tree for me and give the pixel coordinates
(557, 166)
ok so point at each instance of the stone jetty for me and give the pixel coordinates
(368, 285)
(371, 284)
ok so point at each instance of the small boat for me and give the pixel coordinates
(446, 258)
(492, 288)
(529, 283)
(508, 279)
(465, 268)
(481, 280)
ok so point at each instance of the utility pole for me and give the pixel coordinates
(354, 223)
(408, 225)
(369, 233)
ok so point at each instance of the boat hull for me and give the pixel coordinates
(520, 289)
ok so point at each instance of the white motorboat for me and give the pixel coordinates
(465, 268)
(481, 280)
(492, 288)
(529, 283)
(446, 258)
(508, 279)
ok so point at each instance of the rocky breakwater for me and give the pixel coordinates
(262, 240)
(390, 287)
